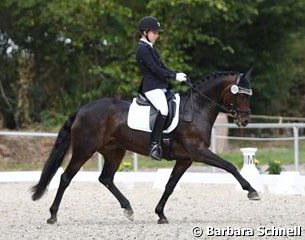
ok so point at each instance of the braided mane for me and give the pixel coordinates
(214, 76)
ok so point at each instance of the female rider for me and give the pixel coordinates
(155, 74)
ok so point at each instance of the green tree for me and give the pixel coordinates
(84, 49)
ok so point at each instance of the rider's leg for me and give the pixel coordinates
(156, 137)
(158, 99)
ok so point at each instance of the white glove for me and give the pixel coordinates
(181, 77)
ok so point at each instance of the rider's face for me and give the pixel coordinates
(152, 36)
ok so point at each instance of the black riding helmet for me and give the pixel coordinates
(149, 23)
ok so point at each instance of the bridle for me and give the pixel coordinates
(236, 113)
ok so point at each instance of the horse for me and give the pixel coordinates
(101, 126)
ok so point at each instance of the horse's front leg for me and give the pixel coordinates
(179, 169)
(208, 157)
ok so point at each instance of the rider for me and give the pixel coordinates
(155, 73)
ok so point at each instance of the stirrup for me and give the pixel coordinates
(156, 152)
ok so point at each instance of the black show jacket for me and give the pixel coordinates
(153, 70)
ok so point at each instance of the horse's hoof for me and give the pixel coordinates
(129, 214)
(51, 220)
(162, 221)
(254, 196)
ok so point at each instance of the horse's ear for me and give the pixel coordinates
(245, 79)
(248, 73)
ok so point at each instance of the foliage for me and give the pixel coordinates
(52, 119)
(84, 49)
(274, 167)
(125, 166)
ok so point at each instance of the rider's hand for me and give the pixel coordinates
(181, 77)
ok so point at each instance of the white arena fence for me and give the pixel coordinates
(296, 138)
(294, 126)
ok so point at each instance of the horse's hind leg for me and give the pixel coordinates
(178, 171)
(113, 159)
(77, 161)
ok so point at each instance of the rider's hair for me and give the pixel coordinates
(138, 34)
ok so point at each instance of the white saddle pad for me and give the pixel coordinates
(138, 116)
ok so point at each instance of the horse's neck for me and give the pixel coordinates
(206, 108)
(199, 107)
(212, 99)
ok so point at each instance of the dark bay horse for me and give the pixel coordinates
(101, 126)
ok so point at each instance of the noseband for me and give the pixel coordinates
(236, 113)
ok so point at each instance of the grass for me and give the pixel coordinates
(266, 153)
(283, 154)
(5, 166)
(144, 163)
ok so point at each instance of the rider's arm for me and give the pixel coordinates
(145, 55)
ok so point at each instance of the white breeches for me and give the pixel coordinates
(158, 99)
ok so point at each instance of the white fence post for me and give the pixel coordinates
(135, 162)
(213, 139)
(213, 144)
(296, 147)
(100, 161)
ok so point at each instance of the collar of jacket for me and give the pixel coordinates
(149, 43)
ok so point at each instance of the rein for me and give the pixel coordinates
(232, 112)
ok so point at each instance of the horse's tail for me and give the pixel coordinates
(55, 159)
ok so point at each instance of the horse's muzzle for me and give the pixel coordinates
(241, 117)
(241, 122)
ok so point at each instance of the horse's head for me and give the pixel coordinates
(235, 98)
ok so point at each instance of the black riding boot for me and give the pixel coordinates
(156, 137)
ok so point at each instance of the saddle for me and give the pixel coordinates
(170, 97)
(142, 114)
